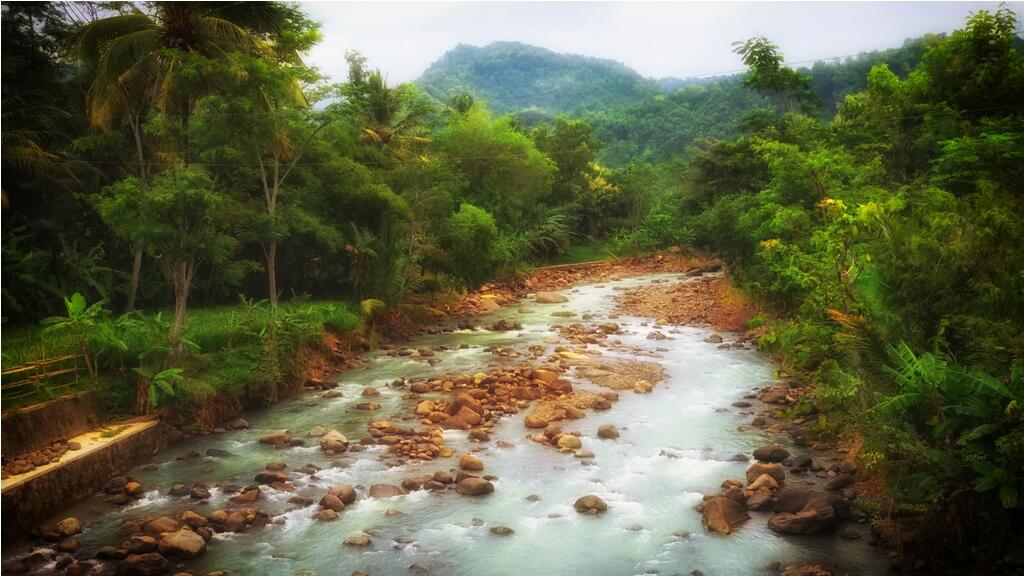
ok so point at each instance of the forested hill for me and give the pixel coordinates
(513, 77)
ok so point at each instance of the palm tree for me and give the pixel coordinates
(389, 115)
(132, 59)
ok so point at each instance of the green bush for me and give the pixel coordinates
(472, 243)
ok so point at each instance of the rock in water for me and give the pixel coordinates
(550, 298)
(590, 504)
(607, 431)
(358, 540)
(473, 486)
(568, 443)
(502, 530)
(184, 544)
(470, 462)
(813, 521)
(385, 491)
(68, 527)
(150, 564)
(771, 453)
(723, 515)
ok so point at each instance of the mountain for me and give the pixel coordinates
(515, 77)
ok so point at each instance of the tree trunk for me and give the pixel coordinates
(133, 288)
(272, 271)
(182, 278)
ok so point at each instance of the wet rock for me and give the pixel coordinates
(332, 502)
(370, 392)
(723, 515)
(550, 298)
(533, 421)
(764, 481)
(112, 553)
(607, 431)
(271, 476)
(500, 530)
(161, 525)
(839, 481)
(178, 490)
(774, 470)
(238, 424)
(334, 393)
(194, 520)
(333, 442)
(140, 544)
(358, 541)
(583, 454)
(275, 438)
(473, 486)
(470, 462)
(813, 521)
(419, 387)
(326, 515)
(642, 387)
(368, 406)
(385, 491)
(317, 431)
(151, 564)
(199, 493)
(568, 443)
(771, 453)
(760, 499)
(714, 339)
(346, 493)
(68, 527)
(218, 453)
(590, 504)
(184, 544)
(68, 545)
(479, 435)
(601, 404)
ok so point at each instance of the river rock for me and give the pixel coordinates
(533, 421)
(502, 530)
(760, 499)
(590, 504)
(270, 476)
(161, 525)
(642, 387)
(385, 491)
(358, 541)
(140, 544)
(326, 515)
(607, 431)
(317, 431)
(194, 520)
(332, 502)
(470, 462)
(764, 481)
(550, 298)
(184, 544)
(839, 481)
(150, 564)
(346, 493)
(178, 490)
(473, 486)
(774, 470)
(479, 435)
(813, 521)
(771, 453)
(275, 438)
(723, 515)
(568, 442)
(334, 441)
(68, 527)
(419, 387)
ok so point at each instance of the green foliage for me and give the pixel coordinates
(471, 242)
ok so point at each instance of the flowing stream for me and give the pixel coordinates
(675, 445)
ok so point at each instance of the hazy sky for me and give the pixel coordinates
(655, 38)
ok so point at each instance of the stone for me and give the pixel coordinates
(275, 438)
(814, 521)
(151, 564)
(545, 376)
(764, 481)
(533, 421)
(714, 339)
(238, 424)
(370, 392)
(590, 504)
(839, 481)
(68, 527)
(771, 453)
(140, 544)
(607, 431)
(385, 491)
(332, 502)
(194, 520)
(326, 515)
(358, 541)
(69, 545)
(500, 530)
(184, 544)
(774, 470)
(568, 442)
(134, 489)
(334, 441)
(760, 499)
(470, 462)
(161, 525)
(723, 515)
(317, 431)
(178, 490)
(473, 486)
(271, 476)
(199, 493)
(550, 298)
(479, 435)
(642, 387)
(583, 454)
(346, 493)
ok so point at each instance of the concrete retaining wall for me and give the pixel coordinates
(39, 425)
(26, 504)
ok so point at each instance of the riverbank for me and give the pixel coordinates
(615, 426)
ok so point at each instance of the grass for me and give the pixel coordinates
(585, 253)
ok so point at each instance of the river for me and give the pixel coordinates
(676, 444)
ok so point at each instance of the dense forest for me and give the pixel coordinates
(186, 201)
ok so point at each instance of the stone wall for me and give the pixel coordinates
(26, 505)
(39, 425)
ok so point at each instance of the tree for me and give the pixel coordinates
(135, 62)
(471, 243)
(177, 219)
(767, 74)
(391, 117)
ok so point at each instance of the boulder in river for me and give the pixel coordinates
(771, 453)
(271, 476)
(346, 493)
(723, 515)
(808, 521)
(161, 525)
(183, 543)
(473, 486)
(68, 527)
(500, 530)
(590, 504)
(774, 470)
(358, 541)
(385, 491)
(470, 462)
(534, 421)
(333, 441)
(568, 443)
(274, 438)
(332, 502)
(550, 298)
(149, 564)
(607, 431)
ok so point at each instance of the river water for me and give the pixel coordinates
(675, 445)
